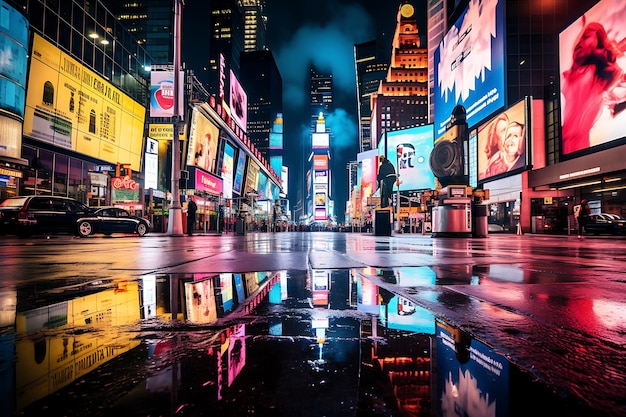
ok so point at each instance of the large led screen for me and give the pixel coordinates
(238, 102)
(470, 65)
(367, 165)
(592, 66)
(13, 60)
(72, 107)
(409, 149)
(241, 164)
(203, 138)
(228, 163)
(502, 143)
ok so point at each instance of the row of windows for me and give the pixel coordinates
(121, 60)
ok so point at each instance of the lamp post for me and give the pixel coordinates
(175, 224)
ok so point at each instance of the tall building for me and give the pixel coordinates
(402, 97)
(437, 27)
(263, 84)
(371, 68)
(84, 109)
(319, 203)
(225, 45)
(255, 24)
(151, 22)
(321, 94)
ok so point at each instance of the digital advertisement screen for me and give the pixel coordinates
(228, 162)
(203, 138)
(409, 149)
(502, 143)
(367, 165)
(241, 164)
(13, 60)
(72, 107)
(238, 102)
(162, 93)
(252, 177)
(470, 65)
(593, 88)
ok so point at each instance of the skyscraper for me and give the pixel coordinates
(263, 83)
(371, 67)
(402, 98)
(321, 88)
(255, 24)
(152, 24)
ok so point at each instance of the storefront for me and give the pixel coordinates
(600, 178)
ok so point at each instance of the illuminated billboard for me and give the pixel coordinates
(203, 138)
(72, 107)
(238, 102)
(320, 140)
(162, 93)
(13, 61)
(320, 162)
(470, 65)
(228, 163)
(241, 164)
(252, 177)
(503, 142)
(591, 67)
(367, 165)
(409, 149)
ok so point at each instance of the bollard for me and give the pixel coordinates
(519, 229)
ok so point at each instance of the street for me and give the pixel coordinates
(521, 318)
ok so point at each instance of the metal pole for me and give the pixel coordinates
(175, 224)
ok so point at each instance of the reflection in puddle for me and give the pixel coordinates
(307, 343)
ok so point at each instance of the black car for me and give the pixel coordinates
(109, 220)
(34, 214)
(606, 223)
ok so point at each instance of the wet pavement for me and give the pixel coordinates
(313, 324)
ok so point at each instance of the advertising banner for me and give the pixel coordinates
(203, 138)
(228, 162)
(252, 177)
(204, 181)
(409, 150)
(162, 93)
(13, 61)
(592, 65)
(241, 164)
(72, 107)
(470, 64)
(238, 102)
(502, 143)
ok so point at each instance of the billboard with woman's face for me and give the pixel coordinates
(502, 143)
(593, 85)
(203, 138)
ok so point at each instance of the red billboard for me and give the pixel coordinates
(593, 86)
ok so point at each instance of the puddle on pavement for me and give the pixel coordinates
(279, 343)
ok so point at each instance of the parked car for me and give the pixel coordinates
(109, 220)
(28, 215)
(492, 227)
(606, 223)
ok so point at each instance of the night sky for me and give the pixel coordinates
(323, 32)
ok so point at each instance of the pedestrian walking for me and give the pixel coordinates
(582, 212)
(192, 207)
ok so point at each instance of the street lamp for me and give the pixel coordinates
(175, 224)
